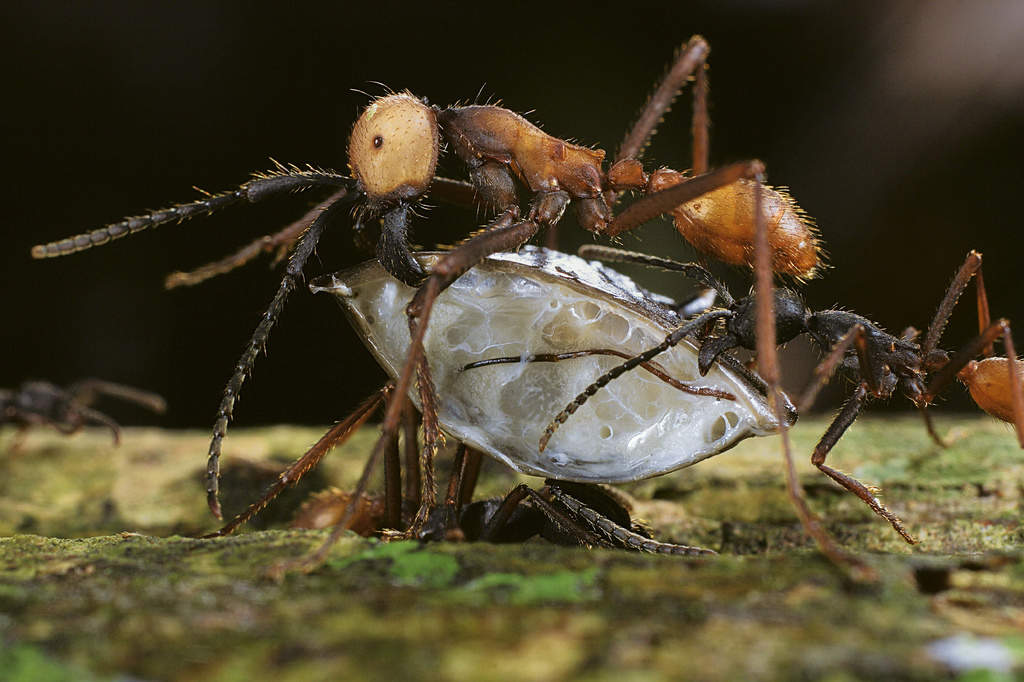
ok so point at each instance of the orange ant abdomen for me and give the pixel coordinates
(987, 380)
(721, 224)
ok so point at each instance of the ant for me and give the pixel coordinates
(68, 409)
(878, 363)
(393, 151)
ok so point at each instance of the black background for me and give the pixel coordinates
(897, 126)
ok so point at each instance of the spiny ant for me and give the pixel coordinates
(393, 151)
(879, 363)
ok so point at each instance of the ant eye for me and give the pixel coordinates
(378, 141)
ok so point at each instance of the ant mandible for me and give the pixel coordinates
(393, 151)
(878, 362)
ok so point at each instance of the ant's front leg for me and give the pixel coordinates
(857, 338)
(849, 412)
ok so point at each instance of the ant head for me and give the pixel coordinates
(392, 151)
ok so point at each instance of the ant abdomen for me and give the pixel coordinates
(721, 224)
(987, 381)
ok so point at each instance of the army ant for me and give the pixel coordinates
(878, 363)
(393, 152)
(69, 409)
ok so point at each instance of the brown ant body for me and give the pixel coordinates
(69, 409)
(879, 363)
(393, 151)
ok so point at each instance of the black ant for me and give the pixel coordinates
(393, 151)
(68, 409)
(879, 363)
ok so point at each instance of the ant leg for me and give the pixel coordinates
(970, 267)
(334, 437)
(393, 485)
(85, 392)
(671, 340)
(502, 234)
(823, 372)
(91, 416)
(652, 367)
(503, 513)
(303, 250)
(411, 454)
(929, 426)
(280, 180)
(690, 59)
(265, 244)
(655, 204)
(690, 270)
(470, 474)
(768, 365)
(847, 414)
(616, 534)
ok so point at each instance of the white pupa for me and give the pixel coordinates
(540, 301)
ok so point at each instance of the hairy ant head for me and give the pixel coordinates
(393, 148)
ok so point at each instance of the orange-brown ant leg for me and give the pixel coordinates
(984, 317)
(393, 485)
(971, 266)
(334, 437)
(690, 59)
(502, 234)
(411, 455)
(470, 474)
(768, 367)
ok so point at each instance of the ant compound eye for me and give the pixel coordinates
(403, 169)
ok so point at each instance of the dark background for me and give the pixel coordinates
(897, 126)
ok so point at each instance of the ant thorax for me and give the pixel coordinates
(543, 302)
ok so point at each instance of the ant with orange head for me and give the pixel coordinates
(879, 363)
(393, 152)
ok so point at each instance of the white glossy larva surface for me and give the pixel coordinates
(544, 302)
